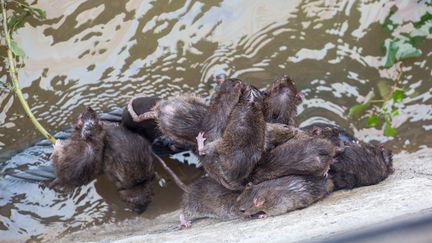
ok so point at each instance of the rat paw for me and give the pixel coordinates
(200, 141)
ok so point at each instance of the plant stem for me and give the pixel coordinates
(15, 81)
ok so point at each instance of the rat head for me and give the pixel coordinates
(138, 197)
(281, 101)
(255, 200)
(88, 124)
(387, 156)
(252, 96)
(220, 78)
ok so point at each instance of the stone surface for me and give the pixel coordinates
(406, 193)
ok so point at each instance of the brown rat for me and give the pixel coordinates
(79, 160)
(282, 195)
(95, 148)
(281, 100)
(207, 198)
(304, 155)
(277, 134)
(331, 132)
(128, 163)
(178, 118)
(361, 164)
(222, 103)
(231, 158)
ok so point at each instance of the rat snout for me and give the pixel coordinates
(87, 129)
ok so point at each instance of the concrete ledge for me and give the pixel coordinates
(407, 192)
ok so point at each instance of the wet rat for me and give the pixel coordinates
(204, 197)
(334, 133)
(282, 195)
(128, 164)
(281, 100)
(302, 155)
(178, 118)
(181, 118)
(231, 158)
(95, 148)
(361, 164)
(277, 134)
(225, 98)
(208, 199)
(79, 160)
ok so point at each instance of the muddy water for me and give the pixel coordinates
(100, 53)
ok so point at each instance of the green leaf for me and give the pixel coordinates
(398, 95)
(388, 25)
(40, 13)
(384, 89)
(390, 56)
(415, 40)
(397, 49)
(389, 131)
(372, 121)
(406, 50)
(17, 50)
(356, 110)
(17, 21)
(423, 20)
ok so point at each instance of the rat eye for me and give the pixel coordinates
(275, 116)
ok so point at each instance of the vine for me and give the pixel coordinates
(14, 51)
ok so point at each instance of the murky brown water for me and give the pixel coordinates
(100, 53)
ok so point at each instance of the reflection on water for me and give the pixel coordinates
(100, 53)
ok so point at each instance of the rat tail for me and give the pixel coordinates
(141, 117)
(172, 174)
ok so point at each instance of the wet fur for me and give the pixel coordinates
(207, 198)
(361, 164)
(222, 103)
(79, 160)
(310, 156)
(180, 118)
(231, 158)
(281, 102)
(282, 195)
(129, 165)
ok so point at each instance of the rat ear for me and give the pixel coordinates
(259, 201)
(249, 185)
(299, 96)
(316, 131)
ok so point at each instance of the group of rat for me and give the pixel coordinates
(257, 162)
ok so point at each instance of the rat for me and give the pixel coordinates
(231, 158)
(281, 100)
(207, 198)
(96, 148)
(361, 164)
(282, 195)
(79, 160)
(301, 155)
(332, 132)
(128, 164)
(178, 118)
